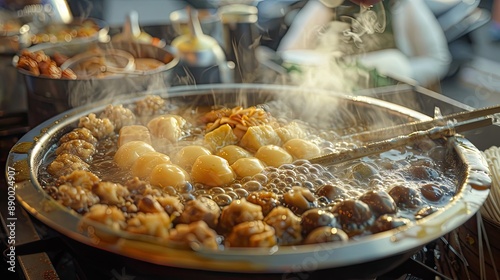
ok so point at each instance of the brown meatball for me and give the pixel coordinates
(286, 225)
(315, 218)
(300, 199)
(363, 171)
(388, 222)
(251, 234)
(326, 234)
(380, 202)
(200, 209)
(432, 192)
(64, 164)
(332, 193)
(422, 172)
(405, 197)
(354, 215)
(267, 200)
(79, 133)
(195, 235)
(79, 148)
(239, 211)
(118, 115)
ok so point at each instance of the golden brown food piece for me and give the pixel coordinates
(239, 211)
(155, 224)
(64, 164)
(212, 171)
(273, 155)
(59, 58)
(100, 128)
(145, 164)
(167, 127)
(111, 193)
(299, 199)
(111, 216)
(149, 204)
(118, 115)
(82, 178)
(130, 133)
(302, 149)
(194, 236)
(150, 105)
(326, 234)
(171, 204)
(286, 225)
(258, 136)
(252, 234)
(77, 197)
(201, 209)
(220, 137)
(68, 74)
(29, 64)
(247, 167)
(239, 118)
(232, 153)
(79, 133)
(167, 174)
(79, 148)
(128, 153)
(267, 200)
(187, 155)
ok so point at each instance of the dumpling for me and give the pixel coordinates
(273, 155)
(186, 156)
(144, 164)
(232, 153)
(212, 171)
(247, 167)
(128, 153)
(164, 175)
(302, 149)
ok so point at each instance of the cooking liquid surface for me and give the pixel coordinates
(417, 177)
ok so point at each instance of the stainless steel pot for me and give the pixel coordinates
(48, 97)
(472, 174)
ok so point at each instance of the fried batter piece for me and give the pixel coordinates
(286, 225)
(79, 133)
(111, 216)
(201, 209)
(111, 193)
(195, 235)
(155, 224)
(79, 148)
(118, 115)
(100, 128)
(252, 234)
(82, 178)
(150, 105)
(64, 164)
(239, 211)
(77, 198)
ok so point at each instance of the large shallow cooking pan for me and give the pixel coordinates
(472, 179)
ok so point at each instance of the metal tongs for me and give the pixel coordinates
(389, 138)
